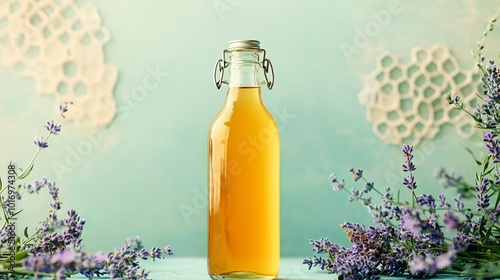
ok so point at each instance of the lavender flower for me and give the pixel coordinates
(333, 178)
(134, 243)
(63, 261)
(155, 253)
(493, 146)
(380, 249)
(483, 200)
(429, 264)
(410, 238)
(358, 173)
(63, 108)
(55, 249)
(411, 223)
(363, 259)
(408, 166)
(368, 187)
(168, 250)
(53, 128)
(410, 183)
(64, 257)
(40, 143)
(29, 188)
(387, 197)
(427, 200)
(366, 200)
(439, 172)
(447, 180)
(450, 220)
(338, 185)
(442, 201)
(459, 203)
(355, 195)
(143, 254)
(123, 262)
(37, 185)
(309, 262)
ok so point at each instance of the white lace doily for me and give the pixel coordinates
(59, 43)
(405, 103)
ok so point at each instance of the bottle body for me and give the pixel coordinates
(244, 182)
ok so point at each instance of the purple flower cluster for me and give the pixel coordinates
(358, 173)
(61, 254)
(428, 264)
(408, 166)
(369, 256)
(55, 249)
(447, 180)
(487, 115)
(119, 264)
(65, 262)
(408, 239)
(455, 181)
(123, 263)
(40, 142)
(483, 199)
(336, 184)
(410, 236)
(63, 108)
(493, 146)
(49, 242)
(52, 127)
(58, 249)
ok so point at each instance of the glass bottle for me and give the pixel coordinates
(244, 171)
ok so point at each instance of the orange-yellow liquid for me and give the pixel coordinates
(244, 179)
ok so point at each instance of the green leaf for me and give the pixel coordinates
(26, 232)
(486, 163)
(473, 156)
(498, 200)
(14, 214)
(488, 234)
(1, 183)
(487, 171)
(26, 172)
(21, 255)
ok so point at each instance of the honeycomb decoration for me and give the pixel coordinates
(405, 103)
(60, 45)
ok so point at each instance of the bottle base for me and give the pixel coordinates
(242, 275)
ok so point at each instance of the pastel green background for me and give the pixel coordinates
(139, 177)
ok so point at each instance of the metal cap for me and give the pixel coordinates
(243, 44)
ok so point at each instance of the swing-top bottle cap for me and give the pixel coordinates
(243, 44)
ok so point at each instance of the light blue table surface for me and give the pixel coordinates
(195, 268)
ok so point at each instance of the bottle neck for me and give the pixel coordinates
(244, 98)
(244, 69)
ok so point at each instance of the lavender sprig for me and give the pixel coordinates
(409, 167)
(42, 142)
(413, 242)
(55, 249)
(408, 239)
